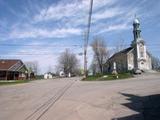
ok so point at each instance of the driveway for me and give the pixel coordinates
(72, 99)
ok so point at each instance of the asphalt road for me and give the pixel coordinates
(72, 99)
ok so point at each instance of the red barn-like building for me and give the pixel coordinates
(12, 70)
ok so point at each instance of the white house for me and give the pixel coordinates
(48, 75)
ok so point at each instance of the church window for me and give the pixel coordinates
(142, 54)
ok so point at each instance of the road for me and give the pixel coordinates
(71, 99)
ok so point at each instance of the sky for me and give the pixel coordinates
(40, 30)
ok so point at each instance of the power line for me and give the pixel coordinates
(46, 45)
(50, 54)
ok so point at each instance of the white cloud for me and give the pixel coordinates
(74, 10)
(57, 12)
(117, 27)
(68, 18)
(44, 33)
(110, 13)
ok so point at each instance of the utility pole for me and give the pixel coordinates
(86, 39)
(85, 56)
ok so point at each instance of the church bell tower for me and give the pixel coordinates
(136, 29)
(139, 47)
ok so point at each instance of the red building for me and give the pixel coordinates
(12, 70)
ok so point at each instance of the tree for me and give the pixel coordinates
(68, 62)
(101, 53)
(32, 66)
(155, 63)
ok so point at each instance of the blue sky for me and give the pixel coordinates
(39, 30)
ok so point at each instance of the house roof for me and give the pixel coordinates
(48, 73)
(124, 51)
(10, 64)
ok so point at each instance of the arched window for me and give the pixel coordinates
(142, 54)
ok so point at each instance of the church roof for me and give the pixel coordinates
(124, 51)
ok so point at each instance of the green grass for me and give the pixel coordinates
(13, 82)
(91, 78)
(109, 77)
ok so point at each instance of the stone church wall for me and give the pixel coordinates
(121, 63)
(130, 59)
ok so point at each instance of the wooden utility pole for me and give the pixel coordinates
(85, 56)
(86, 39)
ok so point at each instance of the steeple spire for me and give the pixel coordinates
(136, 28)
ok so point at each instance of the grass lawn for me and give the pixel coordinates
(12, 82)
(108, 77)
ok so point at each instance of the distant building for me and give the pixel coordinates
(48, 75)
(12, 70)
(134, 58)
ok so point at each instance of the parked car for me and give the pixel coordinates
(138, 71)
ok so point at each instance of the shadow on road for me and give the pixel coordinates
(148, 107)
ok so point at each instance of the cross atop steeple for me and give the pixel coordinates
(135, 16)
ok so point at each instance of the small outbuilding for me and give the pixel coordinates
(12, 69)
(48, 75)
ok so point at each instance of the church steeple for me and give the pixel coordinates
(139, 46)
(136, 29)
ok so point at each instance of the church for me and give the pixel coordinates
(134, 58)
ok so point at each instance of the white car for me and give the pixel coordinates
(61, 74)
(138, 71)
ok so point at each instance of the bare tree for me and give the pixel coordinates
(155, 63)
(101, 53)
(68, 62)
(32, 66)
